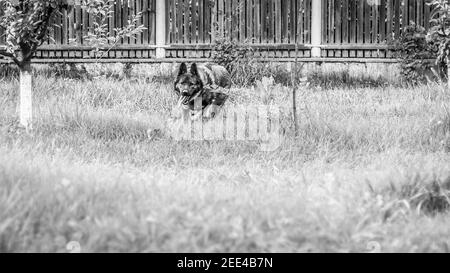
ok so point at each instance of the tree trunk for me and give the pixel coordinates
(26, 97)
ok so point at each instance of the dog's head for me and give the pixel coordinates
(188, 85)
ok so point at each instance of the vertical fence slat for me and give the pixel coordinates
(389, 19)
(324, 15)
(270, 21)
(412, 13)
(137, 6)
(278, 22)
(338, 21)
(397, 7)
(360, 37)
(352, 21)
(186, 26)
(292, 21)
(264, 21)
(286, 5)
(195, 22)
(345, 35)
(331, 23)
(208, 9)
(375, 18)
(307, 19)
(242, 20)
(257, 25)
(249, 21)
(201, 22)
(405, 19)
(382, 21)
(427, 10)
(299, 22)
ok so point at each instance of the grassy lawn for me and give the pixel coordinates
(370, 167)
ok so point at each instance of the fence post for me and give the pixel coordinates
(316, 28)
(160, 28)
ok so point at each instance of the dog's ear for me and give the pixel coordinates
(194, 70)
(182, 70)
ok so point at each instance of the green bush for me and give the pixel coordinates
(417, 55)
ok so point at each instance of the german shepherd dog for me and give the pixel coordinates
(201, 81)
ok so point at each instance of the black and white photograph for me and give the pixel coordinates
(252, 128)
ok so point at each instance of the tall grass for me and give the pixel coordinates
(369, 165)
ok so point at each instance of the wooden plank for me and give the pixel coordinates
(345, 25)
(201, 22)
(194, 21)
(180, 16)
(293, 12)
(57, 20)
(389, 19)
(382, 21)
(228, 18)
(367, 21)
(405, 19)
(208, 9)
(412, 11)
(270, 21)
(221, 16)
(187, 21)
(375, 20)
(118, 21)
(420, 4)
(278, 21)
(86, 23)
(79, 23)
(286, 7)
(352, 19)
(307, 21)
(125, 18)
(71, 25)
(257, 25)
(360, 25)
(137, 6)
(65, 30)
(152, 22)
(173, 21)
(338, 21)
(249, 5)
(264, 25)
(426, 19)
(242, 20)
(325, 16)
(397, 22)
(332, 22)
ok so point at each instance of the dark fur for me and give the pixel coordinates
(200, 81)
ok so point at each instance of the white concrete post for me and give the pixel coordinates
(316, 28)
(160, 28)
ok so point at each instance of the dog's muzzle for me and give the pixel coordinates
(183, 101)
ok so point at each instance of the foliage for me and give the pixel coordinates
(100, 38)
(229, 53)
(439, 31)
(416, 53)
(26, 24)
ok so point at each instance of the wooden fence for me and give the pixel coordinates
(176, 29)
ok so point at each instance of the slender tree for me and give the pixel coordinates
(26, 24)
